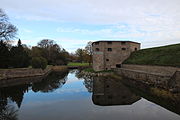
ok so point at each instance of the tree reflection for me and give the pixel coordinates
(8, 113)
(16, 93)
(88, 80)
(51, 82)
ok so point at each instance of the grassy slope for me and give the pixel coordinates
(165, 56)
(77, 64)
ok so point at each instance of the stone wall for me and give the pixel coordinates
(156, 76)
(107, 54)
(155, 80)
(164, 70)
(174, 83)
(22, 72)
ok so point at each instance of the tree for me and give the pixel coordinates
(80, 52)
(89, 52)
(4, 55)
(19, 57)
(7, 30)
(46, 43)
(39, 62)
(54, 54)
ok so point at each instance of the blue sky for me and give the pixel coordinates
(72, 23)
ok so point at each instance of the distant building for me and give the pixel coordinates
(110, 54)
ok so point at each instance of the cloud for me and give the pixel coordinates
(27, 30)
(84, 31)
(93, 11)
(70, 44)
(152, 22)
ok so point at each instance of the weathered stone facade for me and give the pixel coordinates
(157, 76)
(110, 54)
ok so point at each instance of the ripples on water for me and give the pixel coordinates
(70, 96)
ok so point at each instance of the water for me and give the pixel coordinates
(69, 96)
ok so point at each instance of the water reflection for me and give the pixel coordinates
(37, 84)
(51, 82)
(108, 91)
(162, 98)
(8, 113)
(83, 97)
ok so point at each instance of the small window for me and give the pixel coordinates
(118, 65)
(96, 43)
(109, 42)
(123, 43)
(109, 49)
(135, 49)
(123, 48)
(97, 49)
(107, 59)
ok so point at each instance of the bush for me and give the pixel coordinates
(39, 62)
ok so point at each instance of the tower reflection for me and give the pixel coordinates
(108, 91)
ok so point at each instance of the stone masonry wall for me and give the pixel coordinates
(155, 80)
(105, 59)
(22, 72)
(165, 70)
(156, 76)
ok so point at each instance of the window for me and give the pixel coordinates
(109, 42)
(96, 43)
(97, 49)
(107, 59)
(109, 49)
(123, 43)
(118, 65)
(123, 48)
(135, 49)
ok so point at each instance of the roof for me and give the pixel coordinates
(115, 41)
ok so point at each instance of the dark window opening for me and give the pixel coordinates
(109, 42)
(123, 48)
(110, 96)
(106, 68)
(97, 49)
(97, 96)
(96, 43)
(107, 59)
(135, 49)
(109, 49)
(118, 65)
(123, 43)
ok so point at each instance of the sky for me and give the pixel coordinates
(73, 23)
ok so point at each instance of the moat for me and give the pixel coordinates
(71, 96)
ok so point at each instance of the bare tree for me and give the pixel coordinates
(88, 48)
(46, 43)
(7, 30)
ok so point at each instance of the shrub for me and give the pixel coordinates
(39, 62)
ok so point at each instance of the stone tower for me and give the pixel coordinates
(111, 54)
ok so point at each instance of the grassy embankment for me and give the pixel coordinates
(163, 56)
(77, 64)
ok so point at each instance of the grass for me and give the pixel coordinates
(77, 64)
(164, 56)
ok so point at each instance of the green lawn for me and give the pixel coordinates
(77, 64)
(165, 56)
(91, 70)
